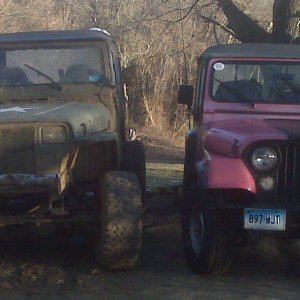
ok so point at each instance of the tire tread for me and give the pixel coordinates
(121, 223)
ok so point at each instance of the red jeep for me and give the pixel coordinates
(242, 162)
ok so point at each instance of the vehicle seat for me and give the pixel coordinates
(283, 91)
(236, 90)
(77, 73)
(13, 76)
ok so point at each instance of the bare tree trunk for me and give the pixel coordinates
(286, 15)
(245, 27)
(148, 111)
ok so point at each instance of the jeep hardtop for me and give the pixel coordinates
(242, 159)
(64, 158)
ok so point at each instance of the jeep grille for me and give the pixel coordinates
(17, 149)
(289, 178)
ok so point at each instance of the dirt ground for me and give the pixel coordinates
(66, 269)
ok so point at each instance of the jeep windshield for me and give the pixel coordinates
(256, 82)
(54, 66)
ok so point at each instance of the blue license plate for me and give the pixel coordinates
(265, 219)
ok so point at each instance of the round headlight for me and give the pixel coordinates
(264, 158)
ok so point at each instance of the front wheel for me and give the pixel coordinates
(208, 236)
(118, 239)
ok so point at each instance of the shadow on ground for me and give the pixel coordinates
(62, 269)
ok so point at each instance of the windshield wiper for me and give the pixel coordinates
(236, 93)
(50, 79)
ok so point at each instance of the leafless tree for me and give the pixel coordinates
(160, 39)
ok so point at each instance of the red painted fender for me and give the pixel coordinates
(224, 172)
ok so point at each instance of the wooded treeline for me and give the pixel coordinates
(160, 39)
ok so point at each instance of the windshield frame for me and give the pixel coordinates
(60, 45)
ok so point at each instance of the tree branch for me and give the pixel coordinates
(187, 11)
(245, 27)
(216, 23)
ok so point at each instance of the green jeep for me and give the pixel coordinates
(64, 158)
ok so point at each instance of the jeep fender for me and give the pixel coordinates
(190, 173)
(217, 171)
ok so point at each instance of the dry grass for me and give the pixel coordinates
(162, 148)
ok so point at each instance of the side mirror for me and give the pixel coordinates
(185, 94)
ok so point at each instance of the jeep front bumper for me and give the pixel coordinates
(21, 183)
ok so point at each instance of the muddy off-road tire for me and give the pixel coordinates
(119, 237)
(133, 160)
(209, 240)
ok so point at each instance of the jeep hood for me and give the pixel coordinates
(93, 117)
(231, 137)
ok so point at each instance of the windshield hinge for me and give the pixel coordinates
(209, 111)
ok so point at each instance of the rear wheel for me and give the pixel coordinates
(209, 238)
(118, 239)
